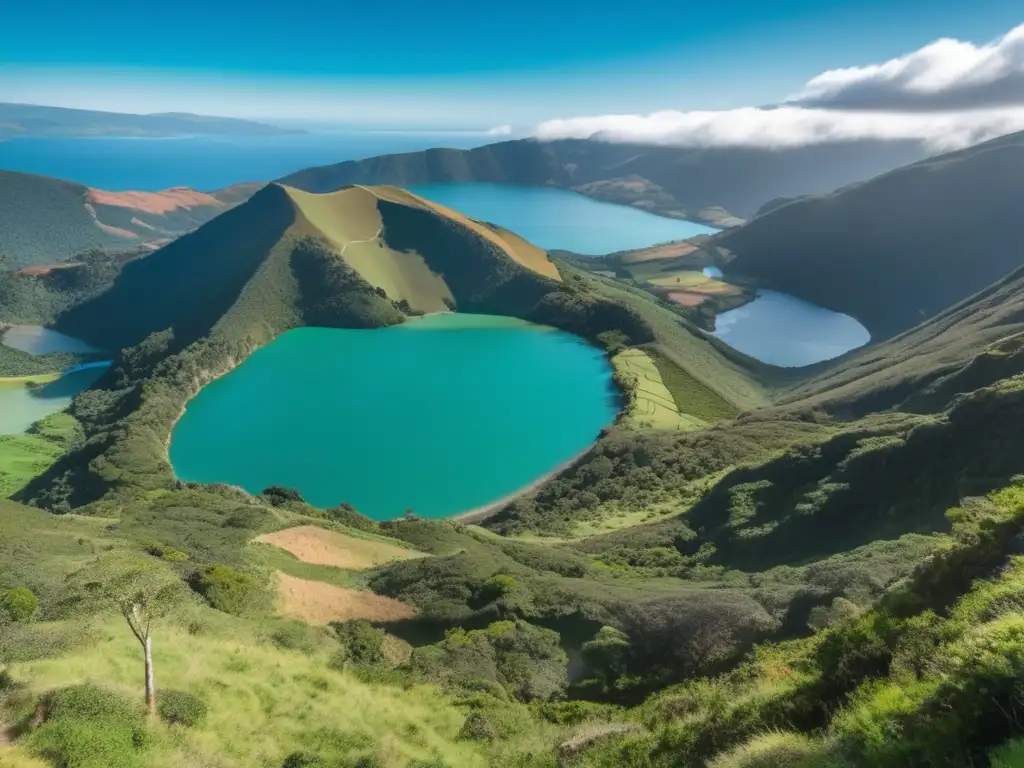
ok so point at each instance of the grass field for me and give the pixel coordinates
(688, 280)
(23, 457)
(264, 702)
(693, 367)
(662, 252)
(653, 406)
(20, 381)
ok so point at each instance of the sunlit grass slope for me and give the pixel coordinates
(653, 405)
(350, 221)
(264, 702)
(514, 246)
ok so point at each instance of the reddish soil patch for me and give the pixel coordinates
(319, 603)
(312, 544)
(687, 298)
(38, 270)
(157, 203)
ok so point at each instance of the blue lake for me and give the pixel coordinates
(560, 219)
(22, 405)
(207, 162)
(439, 415)
(786, 331)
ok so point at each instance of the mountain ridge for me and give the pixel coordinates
(898, 248)
(709, 185)
(46, 221)
(37, 120)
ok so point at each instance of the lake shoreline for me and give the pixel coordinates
(485, 511)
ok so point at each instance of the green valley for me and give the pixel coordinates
(814, 567)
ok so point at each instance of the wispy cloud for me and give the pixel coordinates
(500, 130)
(948, 94)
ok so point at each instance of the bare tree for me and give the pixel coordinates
(142, 598)
(143, 593)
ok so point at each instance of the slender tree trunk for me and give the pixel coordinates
(150, 689)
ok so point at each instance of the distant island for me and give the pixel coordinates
(32, 120)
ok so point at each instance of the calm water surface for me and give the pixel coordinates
(22, 406)
(440, 415)
(37, 340)
(783, 330)
(560, 219)
(208, 162)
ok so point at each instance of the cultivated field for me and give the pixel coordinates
(319, 546)
(318, 603)
(653, 406)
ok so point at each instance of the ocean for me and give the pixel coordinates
(209, 163)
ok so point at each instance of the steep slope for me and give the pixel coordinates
(710, 185)
(18, 120)
(899, 248)
(245, 273)
(361, 257)
(45, 221)
(970, 344)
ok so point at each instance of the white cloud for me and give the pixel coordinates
(946, 95)
(500, 130)
(784, 127)
(946, 74)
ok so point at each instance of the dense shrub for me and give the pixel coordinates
(85, 726)
(279, 495)
(527, 661)
(361, 644)
(297, 636)
(20, 604)
(477, 728)
(346, 514)
(181, 708)
(231, 591)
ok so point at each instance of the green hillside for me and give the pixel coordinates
(897, 249)
(45, 221)
(360, 257)
(820, 573)
(710, 185)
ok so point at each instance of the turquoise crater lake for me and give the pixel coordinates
(558, 219)
(440, 415)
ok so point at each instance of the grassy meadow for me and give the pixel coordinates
(651, 405)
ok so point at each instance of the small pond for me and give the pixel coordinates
(37, 340)
(21, 405)
(783, 330)
(440, 415)
(24, 401)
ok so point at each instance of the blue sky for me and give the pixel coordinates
(456, 63)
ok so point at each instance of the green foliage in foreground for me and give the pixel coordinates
(181, 708)
(524, 660)
(91, 727)
(23, 457)
(20, 604)
(930, 677)
(232, 591)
